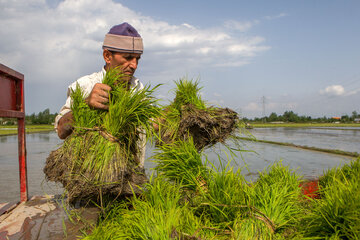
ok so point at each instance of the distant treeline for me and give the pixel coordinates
(290, 116)
(44, 117)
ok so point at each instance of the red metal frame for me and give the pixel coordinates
(12, 106)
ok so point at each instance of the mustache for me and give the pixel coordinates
(128, 71)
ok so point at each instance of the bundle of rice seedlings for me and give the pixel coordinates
(102, 154)
(189, 116)
(158, 214)
(182, 163)
(266, 209)
(227, 196)
(277, 195)
(336, 215)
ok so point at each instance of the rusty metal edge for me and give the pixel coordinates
(11, 73)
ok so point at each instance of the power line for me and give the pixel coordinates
(263, 106)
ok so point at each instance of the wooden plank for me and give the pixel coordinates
(45, 218)
(7, 207)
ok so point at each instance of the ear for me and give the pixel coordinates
(107, 56)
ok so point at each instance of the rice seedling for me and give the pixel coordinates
(346, 172)
(336, 215)
(276, 194)
(176, 205)
(103, 152)
(189, 116)
(188, 92)
(158, 214)
(188, 197)
(182, 163)
(226, 197)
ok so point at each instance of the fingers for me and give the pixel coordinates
(99, 96)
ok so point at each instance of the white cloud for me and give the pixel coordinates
(333, 90)
(240, 26)
(338, 90)
(276, 16)
(48, 42)
(53, 45)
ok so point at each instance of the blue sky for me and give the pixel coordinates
(299, 55)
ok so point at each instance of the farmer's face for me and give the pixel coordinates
(127, 62)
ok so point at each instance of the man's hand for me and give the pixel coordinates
(99, 96)
(65, 127)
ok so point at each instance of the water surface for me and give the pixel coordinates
(261, 155)
(341, 139)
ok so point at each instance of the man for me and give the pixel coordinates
(122, 48)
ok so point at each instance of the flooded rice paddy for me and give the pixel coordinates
(258, 156)
(346, 139)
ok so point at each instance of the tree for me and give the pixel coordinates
(273, 117)
(354, 115)
(44, 117)
(290, 116)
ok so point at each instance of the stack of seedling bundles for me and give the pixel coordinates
(176, 205)
(187, 197)
(101, 157)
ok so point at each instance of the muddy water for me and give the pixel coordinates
(256, 157)
(38, 146)
(309, 163)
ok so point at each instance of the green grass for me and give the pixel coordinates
(12, 130)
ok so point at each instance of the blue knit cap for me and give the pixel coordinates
(124, 29)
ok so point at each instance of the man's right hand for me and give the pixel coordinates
(99, 96)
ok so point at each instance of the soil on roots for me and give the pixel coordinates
(81, 186)
(206, 127)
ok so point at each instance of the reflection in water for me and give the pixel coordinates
(289, 132)
(39, 137)
(10, 139)
(38, 147)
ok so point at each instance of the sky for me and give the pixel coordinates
(256, 57)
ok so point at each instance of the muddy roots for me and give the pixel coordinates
(206, 127)
(81, 185)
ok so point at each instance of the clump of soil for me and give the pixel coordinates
(206, 127)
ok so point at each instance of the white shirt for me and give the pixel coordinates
(87, 83)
